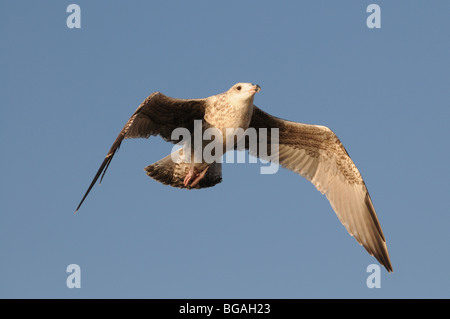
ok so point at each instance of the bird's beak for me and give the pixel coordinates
(254, 89)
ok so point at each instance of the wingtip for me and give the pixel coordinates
(390, 269)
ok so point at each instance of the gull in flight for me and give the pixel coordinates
(312, 151)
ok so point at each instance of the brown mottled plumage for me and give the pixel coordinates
(312, 151)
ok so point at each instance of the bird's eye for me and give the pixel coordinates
(238, 87)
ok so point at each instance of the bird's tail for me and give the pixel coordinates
(171, 171)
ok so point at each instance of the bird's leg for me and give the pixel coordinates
(199, 177)
(189, 175)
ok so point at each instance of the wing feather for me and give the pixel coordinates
(316, 153)
(157, 115)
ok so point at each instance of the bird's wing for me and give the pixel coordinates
(316, 153)
(157, 115)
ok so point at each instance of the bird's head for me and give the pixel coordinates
(243, 93)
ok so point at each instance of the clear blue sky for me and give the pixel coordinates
(66, 93)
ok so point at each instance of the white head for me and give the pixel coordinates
(242, 93)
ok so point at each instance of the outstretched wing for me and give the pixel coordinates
(157, 115)
(316, 153)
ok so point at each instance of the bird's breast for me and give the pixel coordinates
(226, 115)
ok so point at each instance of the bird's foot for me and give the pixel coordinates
(189, 176)
(199, 177)
(194, 177)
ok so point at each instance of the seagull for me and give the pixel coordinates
(312, 151)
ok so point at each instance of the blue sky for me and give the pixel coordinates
(66, 93)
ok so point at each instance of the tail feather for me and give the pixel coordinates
(172, 173)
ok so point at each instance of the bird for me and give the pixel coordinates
(312, 151)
